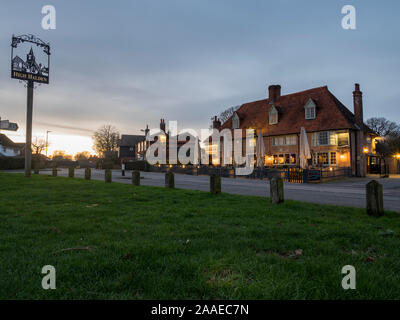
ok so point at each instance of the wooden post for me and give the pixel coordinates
(276, 190)
(108, 176)
(215, 184)
(71, 172)
(88, 173)
(36, 167)
(374, 199)
(54, 173)
(136, 178)
(169, 180)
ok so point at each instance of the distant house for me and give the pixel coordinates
(128, 147)
(144, 145)
(8, 148)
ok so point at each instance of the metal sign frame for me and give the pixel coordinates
(23, 71)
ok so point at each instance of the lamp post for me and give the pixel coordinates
(47, 140)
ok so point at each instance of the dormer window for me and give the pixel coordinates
(273, 115)
(309, 110)
(235, 121)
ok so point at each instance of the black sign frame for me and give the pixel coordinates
(23, 72)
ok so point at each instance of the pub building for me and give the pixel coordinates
(337, 137)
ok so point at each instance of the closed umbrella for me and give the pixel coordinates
(260, 150)
(305, 153)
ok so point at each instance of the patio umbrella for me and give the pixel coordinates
(260, 150)
(304, 149)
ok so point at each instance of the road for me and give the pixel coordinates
(349, 192)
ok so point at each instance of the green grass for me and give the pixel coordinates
(156, 243)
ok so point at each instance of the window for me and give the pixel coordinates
(309, 109)
(323, 158)
(235, 121)
(282, 159)
(333, 157)
(130, 148)
(343, 139)
(273, 115)
(320, 138)
(284, 141)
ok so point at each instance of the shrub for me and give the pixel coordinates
(11, 163)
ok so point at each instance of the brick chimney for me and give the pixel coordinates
(358, 106)
(216, 123)
(162, 125)
(274, 92)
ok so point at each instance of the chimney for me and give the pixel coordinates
(358, 106)
(162, 125)
(274, 92)
(216, 123)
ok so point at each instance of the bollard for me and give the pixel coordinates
(276, 190)
(36, 168)
(215, 184)
(54, 173)
(374, 199)
(108, 176)
(169, 180)
(71, 172)
(136, 178)
(88, 173)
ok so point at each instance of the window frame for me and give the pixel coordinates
(310, 107)
(273, 112)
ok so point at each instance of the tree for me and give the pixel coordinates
(84, 155)
(384, 127)
(226, 114)
(38, 146)
(61, 155)
(105, 141)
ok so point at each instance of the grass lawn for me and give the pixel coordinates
(156, 243)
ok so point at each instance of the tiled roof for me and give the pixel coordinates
(128, 140)
(331, 114)
(7, 142)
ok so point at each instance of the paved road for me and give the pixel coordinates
(349, 192)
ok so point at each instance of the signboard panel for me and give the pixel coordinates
(35, 67)
(7, 125)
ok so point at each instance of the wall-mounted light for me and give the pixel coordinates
(365, 150)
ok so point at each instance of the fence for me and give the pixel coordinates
(296, 175)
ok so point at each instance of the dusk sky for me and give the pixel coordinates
(130, 63)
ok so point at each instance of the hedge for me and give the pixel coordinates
(11, 163)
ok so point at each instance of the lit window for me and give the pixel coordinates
(343, 139)
(273, 115)
(333, 157)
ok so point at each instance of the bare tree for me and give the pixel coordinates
(105, 140)
(226, 114)
(38, 146)
(83, 155)
(61, 155)
(384, 127)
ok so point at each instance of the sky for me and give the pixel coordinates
(130, 63)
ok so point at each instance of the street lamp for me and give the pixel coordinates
(47, 140)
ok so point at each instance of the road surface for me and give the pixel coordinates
(348, 192)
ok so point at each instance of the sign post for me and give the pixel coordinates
(30, 71)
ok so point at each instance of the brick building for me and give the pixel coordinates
(337, 137)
